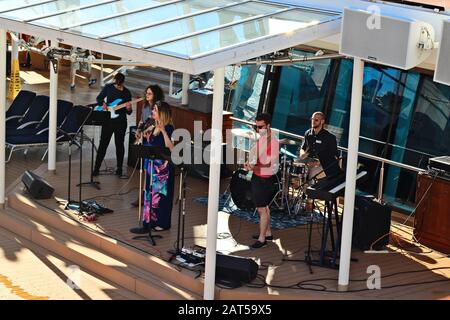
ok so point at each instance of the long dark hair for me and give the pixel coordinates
(158, 94)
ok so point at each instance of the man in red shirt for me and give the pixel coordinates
(264, 158)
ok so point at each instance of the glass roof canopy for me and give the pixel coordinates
(190, 36)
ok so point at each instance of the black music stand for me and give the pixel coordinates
(95, 118)
(82, 118)
(152, 153)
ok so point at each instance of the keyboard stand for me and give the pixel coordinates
(330, 208)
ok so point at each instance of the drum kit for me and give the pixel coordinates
(293, 178)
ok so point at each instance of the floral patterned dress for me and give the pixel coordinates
(161, 197)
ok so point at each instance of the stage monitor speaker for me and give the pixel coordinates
(442, 72)
(37, 186)
(397, 42)
(371, 224)
(235, 269)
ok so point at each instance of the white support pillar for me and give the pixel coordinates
(185, 88)
(171, 84)
(14, 51)
(102, 81)
(350, 179)
(52, 117)
(2, 116)
(214, 184)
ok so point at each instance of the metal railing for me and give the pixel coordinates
(383, 161)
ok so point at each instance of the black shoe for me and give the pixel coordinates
(268, 238)
(119, 172)
(258, 244)
(139, 230)
(95, 173)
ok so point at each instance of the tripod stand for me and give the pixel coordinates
(284, 203)
(181, 213)
(96, 118)
(151, 153)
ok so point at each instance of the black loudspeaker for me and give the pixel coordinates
(37, 186)
(371, 224)
(235, 269)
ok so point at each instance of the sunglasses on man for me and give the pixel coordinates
(260, 127)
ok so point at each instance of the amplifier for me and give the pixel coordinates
(440, 163)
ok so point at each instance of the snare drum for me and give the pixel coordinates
(298, 174)
(298, 169)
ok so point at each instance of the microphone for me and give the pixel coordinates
(146, 124)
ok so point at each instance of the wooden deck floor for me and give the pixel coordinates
(405, 264)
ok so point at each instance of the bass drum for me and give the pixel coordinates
(241, 190)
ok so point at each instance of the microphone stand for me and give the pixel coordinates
(149, 236)
(181, 214)
(151, 153)
(73, 205)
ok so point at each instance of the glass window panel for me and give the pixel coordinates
(380, 97)
(276, 24)
(8, 4)
(247, 91)
(393, 180)
(430, 130)
(428, 135)
(138, 19)
(48, 8)
(389, 96)
(301, 92)
(339, 111)
(88, 14)
(193, 24)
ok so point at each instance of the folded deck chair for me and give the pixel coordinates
(63, 109)
(34, 115)
(19, 106)
(68, 131)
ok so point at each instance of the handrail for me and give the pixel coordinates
(383, 161)
(362, 154)
(397, 146)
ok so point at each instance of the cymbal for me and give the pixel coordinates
(287, 141)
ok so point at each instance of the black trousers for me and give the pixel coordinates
(118, 128)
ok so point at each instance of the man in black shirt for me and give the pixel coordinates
(118, 126)
(321, 144)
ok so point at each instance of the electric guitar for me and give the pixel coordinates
(116, 105)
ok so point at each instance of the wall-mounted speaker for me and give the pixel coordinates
(442, 72)
(397, 42)
(37, 186)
